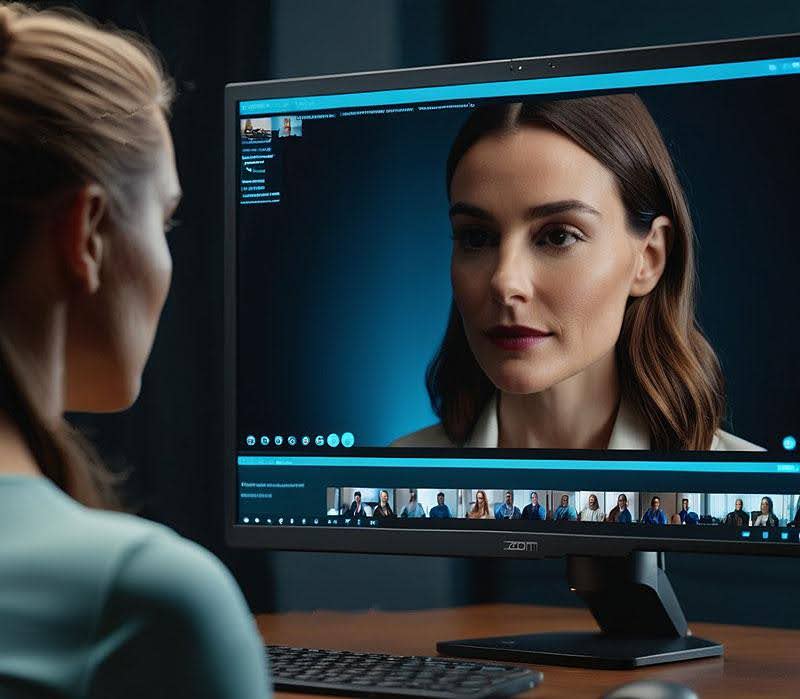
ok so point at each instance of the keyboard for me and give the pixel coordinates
(378, 675)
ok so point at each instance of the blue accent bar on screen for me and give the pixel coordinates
(532, 86)
(549, 464)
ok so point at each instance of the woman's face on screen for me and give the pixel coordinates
(540, 241)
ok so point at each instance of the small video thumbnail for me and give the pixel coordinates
(259, 128)
(287, 126)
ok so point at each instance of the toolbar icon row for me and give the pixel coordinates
(347, 440)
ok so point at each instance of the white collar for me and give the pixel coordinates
(485, 433)
(629, 432)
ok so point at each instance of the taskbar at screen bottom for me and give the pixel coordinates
(721, 532)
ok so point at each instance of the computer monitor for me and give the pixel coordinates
(521, 308)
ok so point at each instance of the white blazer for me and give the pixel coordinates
(629, 432)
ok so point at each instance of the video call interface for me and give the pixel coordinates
(498, 307)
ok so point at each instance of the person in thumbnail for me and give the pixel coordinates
(573, 323)
(507, 509)
(534, 510)
(286, 129)
(686, 515)
(655, 515)
(592, 511)
(766, 518)
(382, 509)
(440, 510)
(412, 509)
(620, 512)
(565, 512)
(480, 510)
(357, 508)
(737, 517)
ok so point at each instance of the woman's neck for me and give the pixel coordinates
(15, 456)
(578, 413)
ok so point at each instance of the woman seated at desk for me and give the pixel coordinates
(95, 603)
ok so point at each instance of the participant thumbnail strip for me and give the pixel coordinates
(591, 506)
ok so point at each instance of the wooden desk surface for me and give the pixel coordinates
(758, 662)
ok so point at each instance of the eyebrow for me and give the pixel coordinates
(540, 211)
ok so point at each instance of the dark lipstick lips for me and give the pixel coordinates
(516, 338)
(511, 331)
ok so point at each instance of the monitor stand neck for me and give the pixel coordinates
(628, 596)
(641, 622)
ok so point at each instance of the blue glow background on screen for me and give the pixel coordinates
(364, 213)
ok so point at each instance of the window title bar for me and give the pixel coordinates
(532, 86)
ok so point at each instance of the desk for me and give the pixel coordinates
(758, 661)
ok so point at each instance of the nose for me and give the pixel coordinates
(512, 279)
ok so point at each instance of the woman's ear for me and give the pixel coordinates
(80, 239)
(651, 256)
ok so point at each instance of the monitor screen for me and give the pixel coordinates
(559, 305)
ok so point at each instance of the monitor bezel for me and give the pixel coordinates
(449, 542)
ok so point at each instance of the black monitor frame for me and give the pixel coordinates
(429, 540)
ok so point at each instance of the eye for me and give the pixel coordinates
(558, 238)
(473, 239)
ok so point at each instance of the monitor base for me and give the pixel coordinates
(593, 650)
(641, 622)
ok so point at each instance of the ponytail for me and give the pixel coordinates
(61, 452)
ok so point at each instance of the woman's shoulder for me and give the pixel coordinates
(725, 441)
(142, 561)
(432, 436)
(149, 564)
(182, 603)
(89, 543)
(146, 604)
(149, 546)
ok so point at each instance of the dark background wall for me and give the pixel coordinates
(170, 440)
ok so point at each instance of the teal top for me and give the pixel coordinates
(98, 604)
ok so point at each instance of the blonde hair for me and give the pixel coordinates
(79, 103)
